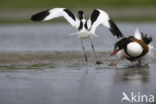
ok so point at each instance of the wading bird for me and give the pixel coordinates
(133, 48)
(86, 28)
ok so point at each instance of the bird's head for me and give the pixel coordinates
(121, 44)
(81, 14)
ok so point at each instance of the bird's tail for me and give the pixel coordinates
(142, 36)
(146, 39)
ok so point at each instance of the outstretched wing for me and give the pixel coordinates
(101, 17)
(54, 13)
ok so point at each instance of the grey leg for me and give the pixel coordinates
(92, 45)
(84, 50)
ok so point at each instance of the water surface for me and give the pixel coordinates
(56, 37)
(42, 64)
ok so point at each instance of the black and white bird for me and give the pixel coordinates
(86, 28)
(133, 48)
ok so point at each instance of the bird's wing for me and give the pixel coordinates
(101, 17)
(57, 12)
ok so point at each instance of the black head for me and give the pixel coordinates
(81, 14)
(121, 44)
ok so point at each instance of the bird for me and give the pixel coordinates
(133, 48)
(85, 28)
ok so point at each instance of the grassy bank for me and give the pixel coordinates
(75, 3)
(19, 11)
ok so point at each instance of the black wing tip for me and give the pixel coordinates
(145, 38)
(70, 13)
(114, 29)
(94, 15)
(40, 16)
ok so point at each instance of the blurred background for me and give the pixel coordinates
(19, 11)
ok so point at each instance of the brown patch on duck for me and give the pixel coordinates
(143, 44)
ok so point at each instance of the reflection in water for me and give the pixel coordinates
(132, 74)
(129, 80)
(73, 84)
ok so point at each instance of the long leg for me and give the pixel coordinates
(92, 45)
(84, 50)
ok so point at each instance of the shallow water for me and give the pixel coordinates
(41, 65)
(55, 37)
(73, 84)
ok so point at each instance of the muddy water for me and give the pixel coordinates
(41, 65)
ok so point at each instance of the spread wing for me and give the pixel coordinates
(99, 17)
(55, 13)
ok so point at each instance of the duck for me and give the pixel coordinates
(133, 48)
(85, 28)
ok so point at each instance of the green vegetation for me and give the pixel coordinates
(19, 11)
(26, 4)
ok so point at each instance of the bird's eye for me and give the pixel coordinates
(117, 48)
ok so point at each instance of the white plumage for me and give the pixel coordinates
(137, 34)
(59, 12)
(103, 19)
(97, 18)
(134, 49)
(121, 54)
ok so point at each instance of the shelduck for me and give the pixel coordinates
(133, 48)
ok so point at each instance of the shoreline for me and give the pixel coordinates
(44, 57)
(56, 57)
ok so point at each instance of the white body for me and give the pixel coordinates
(84, 33)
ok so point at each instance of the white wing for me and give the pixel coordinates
(101, 17)
(57, 12)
